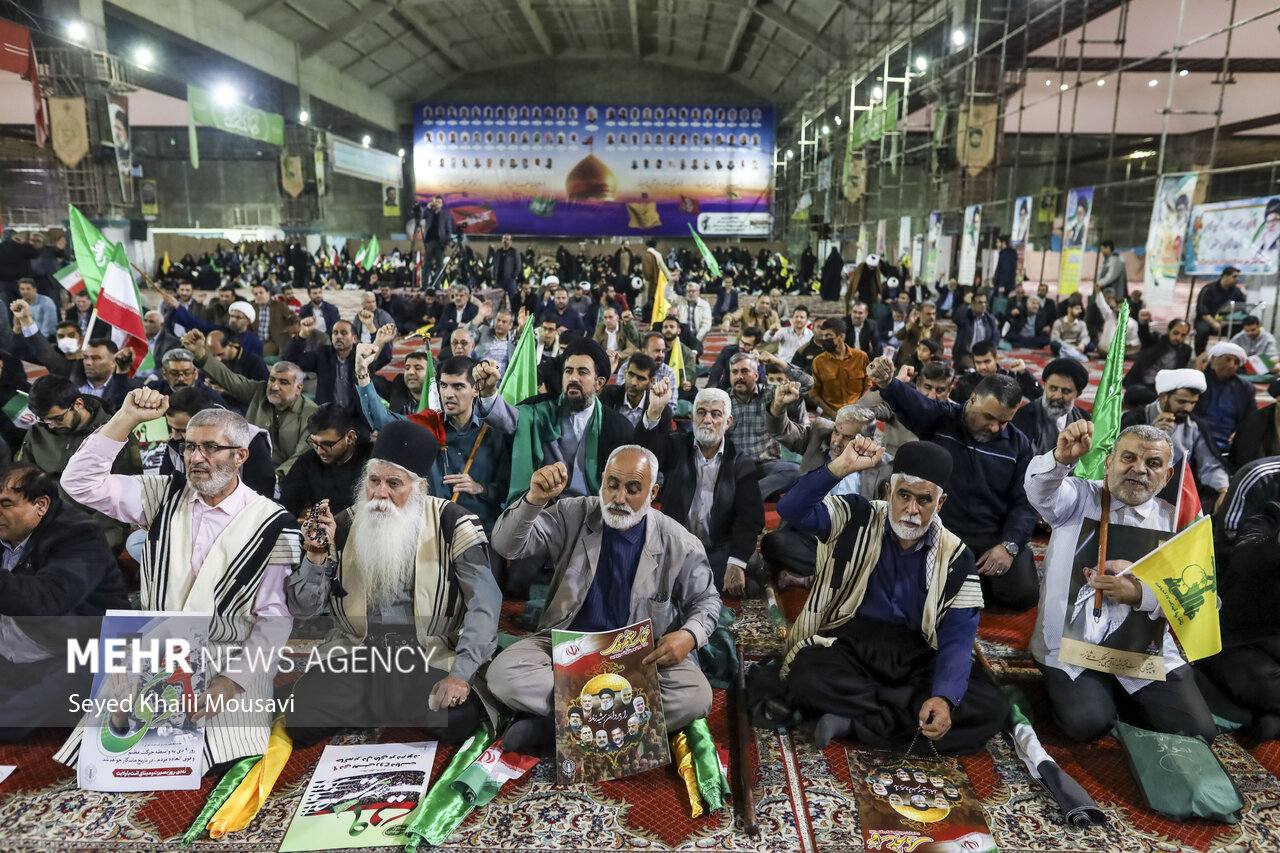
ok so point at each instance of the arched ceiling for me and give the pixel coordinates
(410, 50)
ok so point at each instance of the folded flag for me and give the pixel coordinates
(1259, 364)
(713, 778)
(443, 809)
(249, 796)
(219, 795)
(481, 781)
(17, 412)
(684, 766)
(71, 279)
(1078, 808)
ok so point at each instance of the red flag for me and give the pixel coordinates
(18, 56)
(590, 140)
(1188, 509)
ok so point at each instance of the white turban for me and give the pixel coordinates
(244, 308)
(550, 281)
(1172, 380)
(873, 260)
(1228, 348)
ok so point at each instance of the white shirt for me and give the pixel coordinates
(611, 340)
(1064, 502)
(789, 343)
(704, 495)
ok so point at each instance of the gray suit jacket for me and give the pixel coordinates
(673, 586)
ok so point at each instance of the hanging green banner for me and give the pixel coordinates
(235, 118)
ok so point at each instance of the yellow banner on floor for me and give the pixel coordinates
(1181, 574)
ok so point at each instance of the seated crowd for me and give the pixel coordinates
(303, 478)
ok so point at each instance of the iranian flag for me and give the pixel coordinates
(367, 257)
(92, 251)
(1259, 364)
(119, 308)
(17, 412)
(71, 279)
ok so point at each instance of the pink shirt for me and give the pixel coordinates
(89, 481)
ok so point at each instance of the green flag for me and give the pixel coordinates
(367, 257)
(92, 251)
(428, 379)
(521, 379)
(443, 809)
(240, 119)
(708, 259)
(1106, 405)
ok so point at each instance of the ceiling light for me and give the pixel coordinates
(921, 63)
(225, 94)
(1102, 81)
(826, 129)
(1141, 155)
(1048, 82)
(143, 56)
(837, 121)
(76, 31)
(1153, 82)
(790, 154)
(1064, 87)
(401, 152)
(1183, 73)
(365, 140)
(877, 93)
(303, 116)
(957, 38)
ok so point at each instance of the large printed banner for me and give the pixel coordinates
(1021, 222)
(1244, 234)
(972, 229)
(1169, 219)
(1074, 233)
(930, 271)
(587, 169)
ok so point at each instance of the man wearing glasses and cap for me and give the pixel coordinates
(206, 524)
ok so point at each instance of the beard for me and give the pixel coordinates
(578, 403)
(1133, 491)
(708, 436)
(215, 481)
(386, 544)
(908, 527)
(618, 520)
(1052, 410)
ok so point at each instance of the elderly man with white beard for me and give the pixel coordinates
(707, 486)
(415, 606)
(884, 646)
(213, 546)
(616, 562)
(1083, 700)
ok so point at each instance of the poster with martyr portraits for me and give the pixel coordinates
(609, 721)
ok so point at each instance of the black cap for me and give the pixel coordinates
(925, 460)
(1070, 368)
(588, 347)
(404, 443)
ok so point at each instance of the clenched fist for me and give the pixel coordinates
(880, 371)
(486, 375)
(859, 455)
(547, 483)
(1074, 442)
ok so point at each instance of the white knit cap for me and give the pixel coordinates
(244, 308)
(1228, 348)
(1172, 380)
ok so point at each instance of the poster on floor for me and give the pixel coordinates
(930, 271)
(609, 721)
(598, 169)
(1170, 216)
(1021, 222)
(1118, 639)
(1075, 231)
(917, 804)
(969, 234)
(360, 796)
(138, 734)
(1244, 234)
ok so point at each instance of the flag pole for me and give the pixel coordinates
(1103, 523)
(88, 332)
(145, 277)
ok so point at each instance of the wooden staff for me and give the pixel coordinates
(145, 277)
(472, 458)
(1103, 523)
(745, 768)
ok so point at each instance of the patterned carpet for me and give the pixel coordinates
(804, 796)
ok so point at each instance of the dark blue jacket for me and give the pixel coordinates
(1223, 421)
(985, 495)
(1005, 277)
(964, 330)
(327, 311)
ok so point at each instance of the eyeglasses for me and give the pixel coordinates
(324, 445)
(56, 420)
(207, 448)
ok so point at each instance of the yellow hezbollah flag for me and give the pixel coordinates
(660, 306)
(676, 362)
(1181, 574)
(248, 798)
